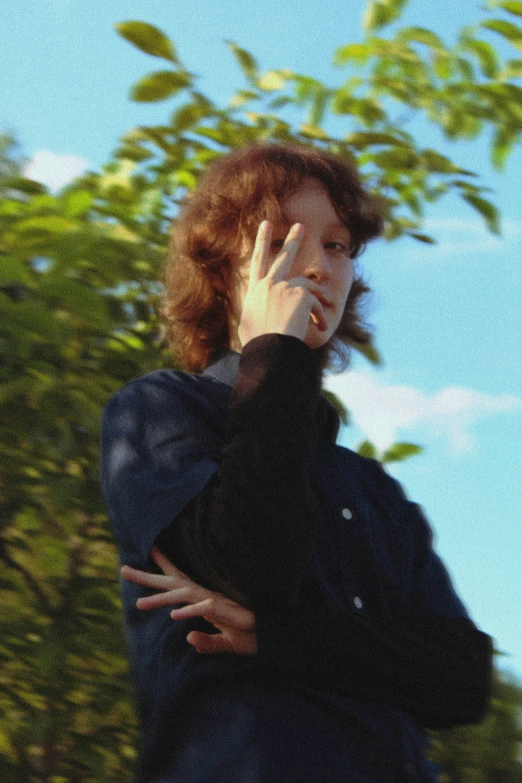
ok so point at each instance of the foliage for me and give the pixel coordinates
(410, 77)
(398, 452)
(78, 274)
(490, 751)
(72, 331)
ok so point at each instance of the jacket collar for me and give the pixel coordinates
(224, 366)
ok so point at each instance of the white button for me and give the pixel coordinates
(347, 514)
(357, 601)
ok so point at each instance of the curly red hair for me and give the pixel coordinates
(237, 192)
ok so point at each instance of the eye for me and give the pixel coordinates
(337, 247)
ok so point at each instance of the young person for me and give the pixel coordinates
(333, 634)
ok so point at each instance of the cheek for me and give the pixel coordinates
(344, 284)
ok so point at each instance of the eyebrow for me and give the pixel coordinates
(338, 224)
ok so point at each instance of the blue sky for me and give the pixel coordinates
(448, 318)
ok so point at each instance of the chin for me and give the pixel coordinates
(316, 339)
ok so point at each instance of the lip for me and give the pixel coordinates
(325, 302)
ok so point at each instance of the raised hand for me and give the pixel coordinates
(235, 623)
(273, 302)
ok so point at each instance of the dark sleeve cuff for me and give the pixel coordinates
(439, 669)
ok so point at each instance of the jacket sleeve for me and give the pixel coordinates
(436, 667)
(433, 663)
(251, 528)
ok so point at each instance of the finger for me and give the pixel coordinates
(184, 595)
(144, 578)
(261, 255)
(282, 264)
(166, 565)
(317, 309)
(207, 644)
(318, 317)
(218, 611)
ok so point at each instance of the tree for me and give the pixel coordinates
(78, 284)
(489, 752)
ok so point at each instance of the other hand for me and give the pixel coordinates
(235, 623)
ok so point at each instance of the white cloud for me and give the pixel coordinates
(464, 236)
(387, 412)
(54, 170)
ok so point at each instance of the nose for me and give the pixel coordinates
(311, 261)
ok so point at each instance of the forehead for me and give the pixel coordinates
(311, 202)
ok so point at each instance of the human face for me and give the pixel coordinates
(323, 256)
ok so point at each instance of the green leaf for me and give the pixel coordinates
(513, 69)
(12, 270)
(422, 238)
(507, 30)
(272, 80)
(503, 143)
(32, 317)
(488, 211)
(243, 96)
(318, 108)
(334, 400)
(439, 163)
(81, 300)
(24, 185)
(133, 152)
(47, 224)
(280, 102)
(159, 85)
(367, 449)
(184, 179)
(312, 131)
(357, 52)
(443, 65)
(306, 89)
(485, 54)
(401, 451)
(246, 62)
(380, 13)
(421, 35)
(15, 389)
(364, 139)
(147, 38)
(76, 203)
(511, 6)
(369, 351)
(186, 117)
(398, 158)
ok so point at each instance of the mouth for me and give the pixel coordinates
(325, 302)
(320, 320)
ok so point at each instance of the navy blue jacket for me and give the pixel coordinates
(362, 640)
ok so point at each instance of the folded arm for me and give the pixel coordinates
(437, 668)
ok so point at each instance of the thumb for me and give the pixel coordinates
(207, 643)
